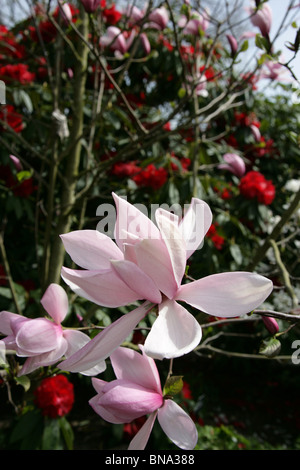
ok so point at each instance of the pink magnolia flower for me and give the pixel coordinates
(194, 24)
(65, 11)
(198, 84)
(262, 18)
(120, 44)
(137, 392)
(90, 6)
(274, 71)
(115, 39)
(42, 340)
(148, 262)
(158, 18)
(133, 13)
(234, 163)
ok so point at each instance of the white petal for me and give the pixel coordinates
(76, 340)
(55, 302)
(138, 281)
(135, 367)
(174, 333)
(177, 425)
(90, 249)
(195, 224)
(226, 294)
(104, 288)
(174, 241)
(131, 219)
(141, 438)
(105, 342)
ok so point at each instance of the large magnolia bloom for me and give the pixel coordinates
(148, 262)
(42, 340)
(137, 392)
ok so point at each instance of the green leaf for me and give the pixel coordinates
(173, 386)
(51, 439)
(28, 430)
(270, 347)
(24, 381)
(67, 432)
(244, 46)
(261, 42)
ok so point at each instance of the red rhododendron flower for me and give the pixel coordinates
(16, 72)
(111, 15)
(9, 47)
(254, 185)
(11, 117)
(125, 169)
(217, 239)
(55, 396)
(151, 177)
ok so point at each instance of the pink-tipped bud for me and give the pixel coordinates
(271, 325)
(263, 19)
(233, 44)
(90, 6)
(17, 164)
(234, 163)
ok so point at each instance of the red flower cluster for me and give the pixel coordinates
(151, 177)
(20, 188)
(217, 239)
(55, 396)
(11, 118)
(16, 72)
(254, 185)
(111, 15)
(9, 47)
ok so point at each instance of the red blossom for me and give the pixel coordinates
(20, 188)
(11, 118)
(9, 47)
(151, 177)
(125, 169)
(186, 391)
(217, 239)
(130, 429)
(111, 15)
(254, 185)
(16, 72)
(54, 396)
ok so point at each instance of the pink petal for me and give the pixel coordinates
(102, 345)
(137, 280)
(195, 224)
(76, 340)
(153, 258)
(174, 241)
(177, 425)
(135, 367)
(140, 440)
(55, 302)
(5, 322)
(104, 288)
(174, 333)
(128, 401)
(226, 294)
(91, 249)
(38, 336)
(105, 414)
(45, 359)
(130, 219)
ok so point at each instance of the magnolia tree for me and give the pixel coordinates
(149, 189)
